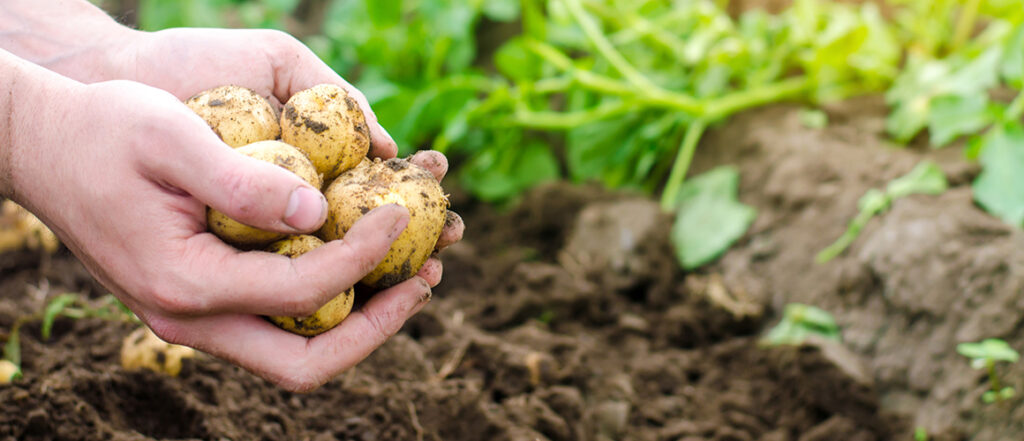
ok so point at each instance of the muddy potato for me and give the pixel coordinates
(277, 153)
(375, 183)
(329, 315)
(328, 125)
(142, 349)
(239, 116)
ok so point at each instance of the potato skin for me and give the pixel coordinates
(329, 315)
(375, 183)
(239, 116)
(142, 349)
(328, 126)
(277, 153)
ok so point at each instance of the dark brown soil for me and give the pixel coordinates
(567, 318)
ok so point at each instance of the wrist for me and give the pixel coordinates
(70, 37)
(27, 109)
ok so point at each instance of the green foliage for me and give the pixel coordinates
(925, 178)
(520, 92)
(920, 434)
(709, 217)
(984, 355)
(801, 322)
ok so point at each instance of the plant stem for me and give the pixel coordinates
(965, 24)
(597, 38)
(726, 105)
(568, 120)
(682, 164)
(993, 379)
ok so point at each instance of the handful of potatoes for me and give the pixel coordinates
(322, 136)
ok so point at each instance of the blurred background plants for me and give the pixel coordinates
(519, 92)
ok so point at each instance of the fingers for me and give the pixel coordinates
(452, 231)
(438, 165)
(297, 68)
(294, 362)
(220, 279)
(246, 189)
(433, 161)
(431, 271)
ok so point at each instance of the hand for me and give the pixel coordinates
(275, 65)
(123, 173)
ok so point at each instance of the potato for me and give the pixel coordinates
(8, 371)
(142, 349)
(328, 126)
(20, 229)
(329, 315)
(274, 152)
(239, 116)
(375, 183)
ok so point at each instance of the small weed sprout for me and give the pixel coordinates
(920, 434)
(71, 305)
(801, 322)
(984, 355)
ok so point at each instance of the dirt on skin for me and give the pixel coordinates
(567, 318)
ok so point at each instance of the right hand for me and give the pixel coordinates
(123, 173)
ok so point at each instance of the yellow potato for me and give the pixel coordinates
(239, 116)
(142, 349)
(329, 315)
(328, 126)
(375, 183)
(277, 153)
(20, 229)
(8, 371)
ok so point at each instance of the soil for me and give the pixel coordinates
(567, 318)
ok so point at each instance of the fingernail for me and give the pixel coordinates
(386, 134)
(306, 210)
(425, 295)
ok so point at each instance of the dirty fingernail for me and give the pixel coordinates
(306, 210)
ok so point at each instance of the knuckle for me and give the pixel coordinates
(363, 256)
(243, 193)
(383, 325)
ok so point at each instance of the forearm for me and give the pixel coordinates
(70, 37)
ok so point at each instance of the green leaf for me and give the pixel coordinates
(501, 10)
(993, 349)
(799, 322)
(517, 62)
(813, 118)
(811, 316)
(925, 178)
(53, 309)
(384, 13)
(955, 115)
(505, 170)
(914, 91)
(709, 217)
(999, 189)
(1013, 59)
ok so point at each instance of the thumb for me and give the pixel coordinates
(248, 190)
